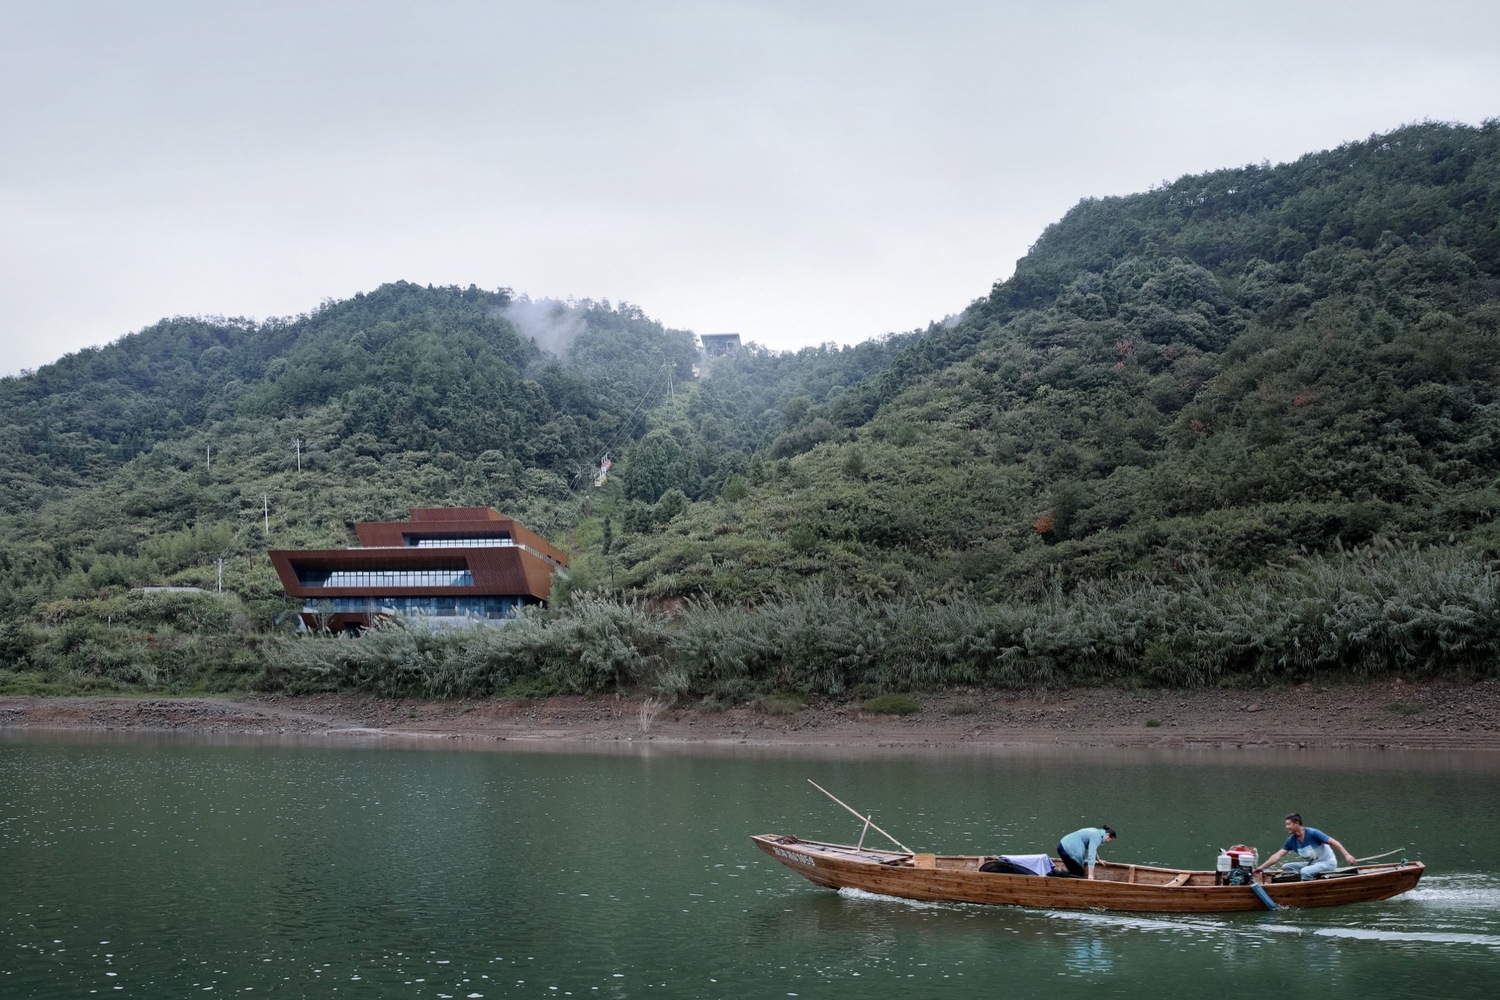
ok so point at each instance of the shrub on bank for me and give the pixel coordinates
(891, 704)
(1376, 611)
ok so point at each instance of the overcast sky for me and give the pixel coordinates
(797, 171)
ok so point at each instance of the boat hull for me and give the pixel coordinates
(1137, 888)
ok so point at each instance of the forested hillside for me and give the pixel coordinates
(1235, 368)
(1242, 426)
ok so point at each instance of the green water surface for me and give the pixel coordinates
(153, 868)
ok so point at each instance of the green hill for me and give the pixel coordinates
(1243, 426)
(1234, 370)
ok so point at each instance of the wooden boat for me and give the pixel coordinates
(1140, 888)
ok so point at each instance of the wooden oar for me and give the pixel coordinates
(1354, 866)
(1359, 861)
(868, 822)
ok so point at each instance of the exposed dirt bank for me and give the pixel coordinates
(1388, 714)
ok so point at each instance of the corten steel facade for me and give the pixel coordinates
(447, 564)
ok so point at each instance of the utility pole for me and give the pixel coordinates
(208, 458)
(265, 501)
(221, 574)
(299, 454)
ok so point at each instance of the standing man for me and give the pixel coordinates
(1312, 844)
(1079, 849)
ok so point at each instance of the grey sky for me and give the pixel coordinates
(799, 172)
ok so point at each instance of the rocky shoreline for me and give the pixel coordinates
(1384, 714)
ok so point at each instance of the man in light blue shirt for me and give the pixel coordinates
(1313, 845)
(1079, 849)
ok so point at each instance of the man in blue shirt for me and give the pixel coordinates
(1312, 844)
(1079, 849)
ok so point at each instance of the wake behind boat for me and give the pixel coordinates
(956, 878)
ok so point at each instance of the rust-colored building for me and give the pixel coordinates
(447, 564)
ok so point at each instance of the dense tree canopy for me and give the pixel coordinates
(1248, 377)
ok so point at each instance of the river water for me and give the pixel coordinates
(133, 866)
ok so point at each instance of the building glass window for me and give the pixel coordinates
(459, 543)
(478, 608)
(368, 578)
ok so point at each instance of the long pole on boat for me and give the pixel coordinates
(1372, 857)
(868, 822)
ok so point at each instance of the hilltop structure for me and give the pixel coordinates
(717, 345)
(447, 565)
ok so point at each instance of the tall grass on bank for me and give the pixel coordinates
(1381, 610)
(168, 642)
(598, 646)
(1372, 612)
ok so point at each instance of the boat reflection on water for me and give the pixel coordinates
(1089, 955)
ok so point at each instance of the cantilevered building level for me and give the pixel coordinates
(445, 565)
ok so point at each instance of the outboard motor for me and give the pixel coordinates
(1236, 865)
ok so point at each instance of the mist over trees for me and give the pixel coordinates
(1243, 426)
